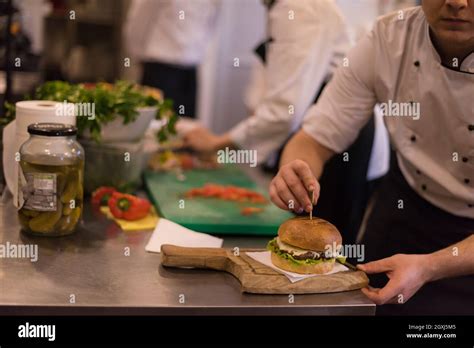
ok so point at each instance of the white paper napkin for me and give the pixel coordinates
(265, 258)
(168, 232)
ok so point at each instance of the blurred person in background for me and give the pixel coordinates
(297, 61)
(170, 38)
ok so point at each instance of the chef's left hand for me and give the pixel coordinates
(202, 140)
(406, 273)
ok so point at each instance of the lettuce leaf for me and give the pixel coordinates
(273, 247)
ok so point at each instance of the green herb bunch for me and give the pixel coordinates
(121, 99)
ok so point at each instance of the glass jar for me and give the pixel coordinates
(50, 185)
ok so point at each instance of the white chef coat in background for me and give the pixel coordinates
(397, 62)
(304, 52)
(303, 55)
(154, 30)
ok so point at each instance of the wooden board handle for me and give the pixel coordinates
(207, 258)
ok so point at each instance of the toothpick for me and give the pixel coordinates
(312, 201)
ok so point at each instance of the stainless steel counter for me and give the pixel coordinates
(93, 270)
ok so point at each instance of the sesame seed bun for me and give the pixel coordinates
(315, 234)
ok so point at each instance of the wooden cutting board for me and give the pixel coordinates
(255, 277)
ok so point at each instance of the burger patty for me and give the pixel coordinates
(308, 255)
(302, 254)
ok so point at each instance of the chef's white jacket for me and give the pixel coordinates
(397, 64)
(309, 40)
(170, 31)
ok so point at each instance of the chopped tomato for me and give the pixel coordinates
(250, 211)
(186, 161)
(228, 193)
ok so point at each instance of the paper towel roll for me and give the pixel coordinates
(16, 133)
(36, 111)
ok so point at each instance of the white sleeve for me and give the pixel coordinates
(298, 61)
(348, 101)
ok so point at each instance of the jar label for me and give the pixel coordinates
(39, 191)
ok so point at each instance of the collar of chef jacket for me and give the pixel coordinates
(467, 64)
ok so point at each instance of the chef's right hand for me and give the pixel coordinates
(201, 139)
(292, 187)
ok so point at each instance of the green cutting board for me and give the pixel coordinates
(209, 214)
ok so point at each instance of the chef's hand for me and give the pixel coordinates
(291, 188)
(406, 273)
(203, 140)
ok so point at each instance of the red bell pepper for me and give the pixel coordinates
(128, 207)
(101, 195)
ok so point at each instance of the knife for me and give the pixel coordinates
(348, 265)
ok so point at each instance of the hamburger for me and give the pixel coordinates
(306, 246)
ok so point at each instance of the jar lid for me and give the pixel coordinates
(52, 129)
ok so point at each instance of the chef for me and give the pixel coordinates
(170, 38)
(419, 64)
(308, 40)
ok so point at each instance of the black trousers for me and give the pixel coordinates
(418, 228)
(177, 83)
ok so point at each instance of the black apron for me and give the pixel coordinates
(177, 83)
(344, 187)
(419, 228)
(345, 190)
